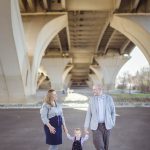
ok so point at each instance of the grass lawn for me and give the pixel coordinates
(140, 97)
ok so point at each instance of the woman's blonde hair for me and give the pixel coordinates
(49, 97)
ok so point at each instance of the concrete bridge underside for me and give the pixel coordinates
(67, 43)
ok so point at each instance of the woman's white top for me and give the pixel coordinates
(48, 112)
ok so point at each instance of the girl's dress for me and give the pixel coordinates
(77, 143)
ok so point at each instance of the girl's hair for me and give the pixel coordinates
(77, 129)
(49, 97)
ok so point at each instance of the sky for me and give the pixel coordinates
(136, 62)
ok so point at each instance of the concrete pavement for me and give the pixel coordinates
(21, 129)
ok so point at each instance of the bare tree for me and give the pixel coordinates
(140, 81)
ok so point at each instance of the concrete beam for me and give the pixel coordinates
(76, 70)
(83, 40)
(108, 42)
(87, 23)
(43, 13)
(78, 32)
(22, 7)
(68, 35)
(135, 4)
(83, 36)
(124, 46)
(31, 5)
(102, 34)
(63, 4)
(45, 4)
(117, 4)
(84, 28)
(59, 43)
(90, 5)
(64, 40)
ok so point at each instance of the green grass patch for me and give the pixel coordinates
(140, 97)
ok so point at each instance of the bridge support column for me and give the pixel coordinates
(89, 83)
(98, 73)
(94, 79)
(110, 66)
(66, 77)
(40, 80)
(67, 82)
(55, 68)
(14, 63)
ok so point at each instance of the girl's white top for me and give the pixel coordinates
(83, 139)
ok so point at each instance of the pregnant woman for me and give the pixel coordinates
(53, 120)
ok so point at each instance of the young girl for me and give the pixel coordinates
(77, 139)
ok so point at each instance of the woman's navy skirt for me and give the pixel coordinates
(54, 139)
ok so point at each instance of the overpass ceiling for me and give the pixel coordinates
(88, 33)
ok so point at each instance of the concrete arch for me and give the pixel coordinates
(136, 28)
(31, 33)
(48, 32)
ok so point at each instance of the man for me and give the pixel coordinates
(100, 118)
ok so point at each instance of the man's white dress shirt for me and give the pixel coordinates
(101, 108)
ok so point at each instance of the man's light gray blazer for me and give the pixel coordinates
(92, 113)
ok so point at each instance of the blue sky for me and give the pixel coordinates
(136, 62)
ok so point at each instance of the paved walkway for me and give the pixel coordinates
(21, 129)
